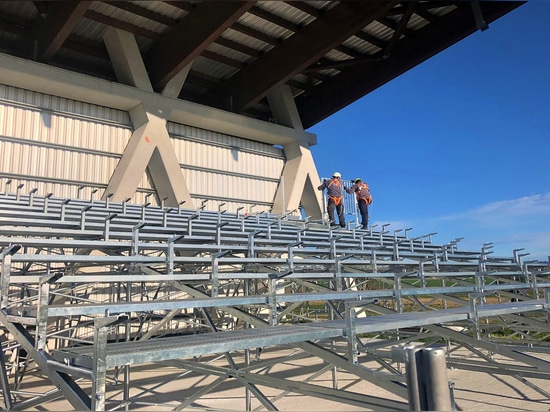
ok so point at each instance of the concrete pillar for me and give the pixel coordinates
(300, 178)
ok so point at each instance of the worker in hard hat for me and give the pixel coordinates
(364, 199)
(335, 198)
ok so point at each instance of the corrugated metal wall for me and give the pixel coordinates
(71, 149)
(221, 168)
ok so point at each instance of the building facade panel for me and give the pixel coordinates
(71, 149)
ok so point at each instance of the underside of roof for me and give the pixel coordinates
(330, 53)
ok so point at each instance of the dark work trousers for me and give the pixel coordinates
(364, 211)
(331, 207)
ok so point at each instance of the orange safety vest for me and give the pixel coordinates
(336, 200)
(367, 196)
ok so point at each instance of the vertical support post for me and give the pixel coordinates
(421, 273)
(42, 315)
(135, 237)
(127, 335)
(269, 228)
(94, 191)
(6, 185)
(43, 304)
(338, 271)
(473, 309)
(165, 216)
(382, 233)
(7, 253)
(373, 260)
(362, 241)
(351, 333)
(533, 279)
(170, 253)
(219, 233)
(215, 279)
(46, 200)
(202, 206)
(31, 196)
(248, 397)
(108, 200)
(106, 231)
(238, 210)
(258, 217)
(4, 382)
(83, 216)
(143, 208)
(397, 291)
(272, 291)
(446, 251)
(333, 240)
(299, 234)
(251, 243)
(220, 212)
(290, 256)
(101, 332)
(63, 209)
(124, 204)
(99, 365)
(18, 191)
(190, 223)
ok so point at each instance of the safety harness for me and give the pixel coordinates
(336, 200)
(363, 193)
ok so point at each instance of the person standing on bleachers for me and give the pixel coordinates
(335, 199)
(364, 199)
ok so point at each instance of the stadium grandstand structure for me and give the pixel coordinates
(93, 289)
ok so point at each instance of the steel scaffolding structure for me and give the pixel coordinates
(93, 289)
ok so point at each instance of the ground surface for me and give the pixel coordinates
(162, 387)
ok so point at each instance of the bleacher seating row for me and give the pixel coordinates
(88, 285)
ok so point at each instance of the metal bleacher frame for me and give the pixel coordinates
(91, 289)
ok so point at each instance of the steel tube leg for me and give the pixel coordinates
(4, 382)
(414, 392)
(437, 385)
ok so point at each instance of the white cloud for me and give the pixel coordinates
(508, 212)
(508, 225)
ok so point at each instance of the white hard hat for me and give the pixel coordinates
(336, 174)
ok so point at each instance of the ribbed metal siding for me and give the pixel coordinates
(58, 145)
(227, 169)
(71, 149)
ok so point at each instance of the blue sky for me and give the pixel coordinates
(460, 144)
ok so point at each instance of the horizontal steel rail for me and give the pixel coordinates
(156, 350)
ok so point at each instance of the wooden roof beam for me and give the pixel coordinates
(60, 20)
(358, 80)
(301, 50)
(190, 37)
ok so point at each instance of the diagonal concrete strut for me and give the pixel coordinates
(300, 178)
(149, 148)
